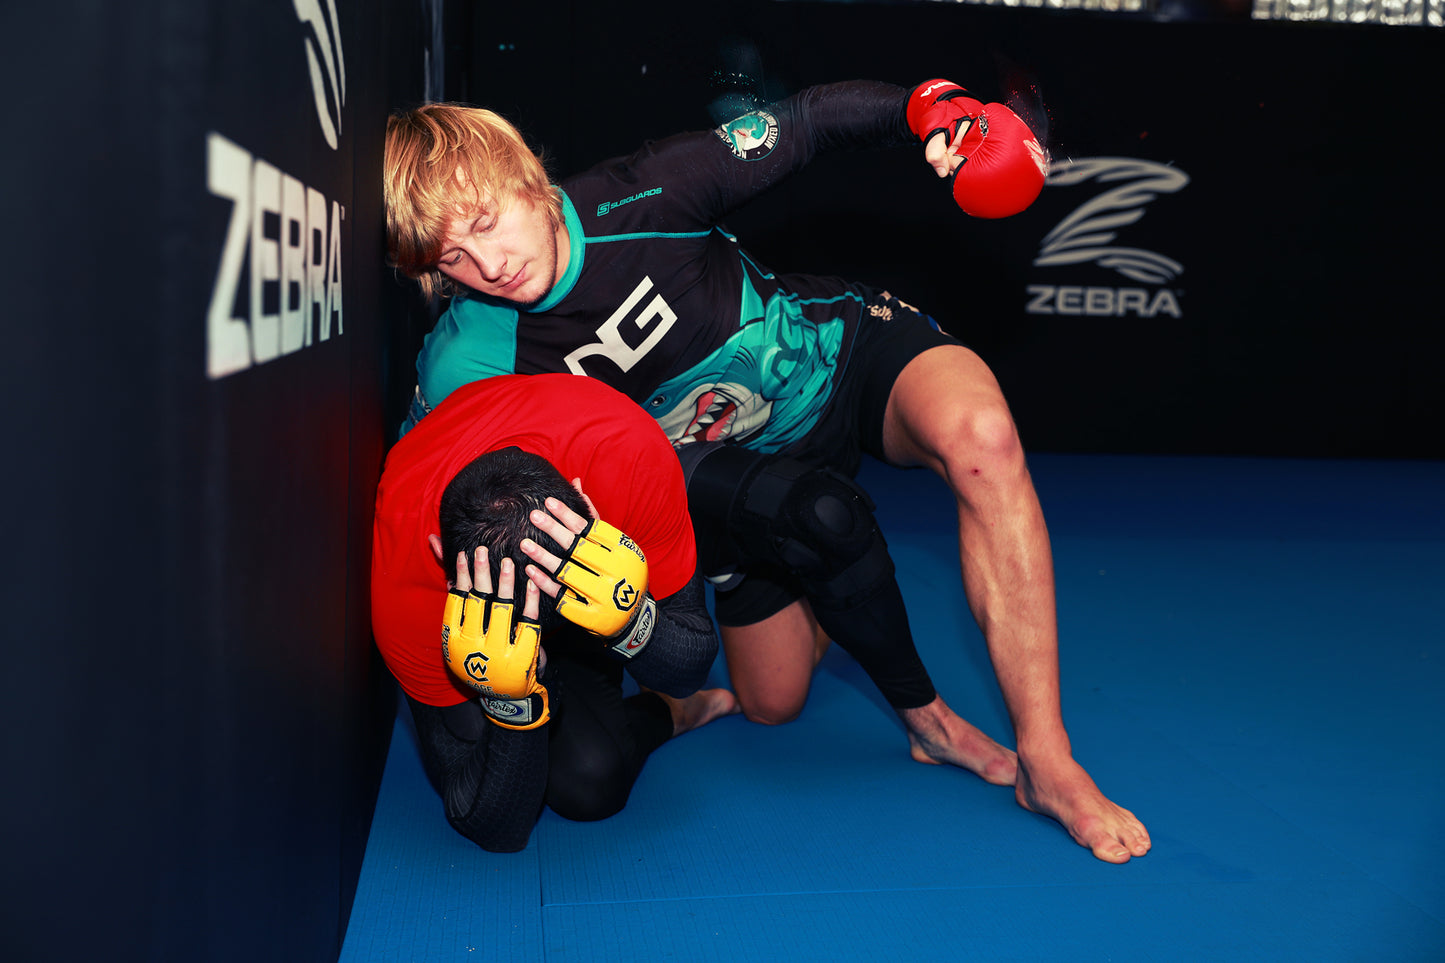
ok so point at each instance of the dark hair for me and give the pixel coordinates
(488, 503)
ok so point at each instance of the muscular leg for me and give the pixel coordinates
(771, 663)
(946, 412)
(820, 528)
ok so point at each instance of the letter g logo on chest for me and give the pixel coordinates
(654, 320)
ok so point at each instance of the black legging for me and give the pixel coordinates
(583, 763)
(600, 742)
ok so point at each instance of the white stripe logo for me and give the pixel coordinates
(328, 87)
(1089, 233)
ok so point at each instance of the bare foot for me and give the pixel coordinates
(700, 708)
(1062, 790)
(937, 735)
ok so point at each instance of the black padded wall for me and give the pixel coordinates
(1268, 287)
(194, 367)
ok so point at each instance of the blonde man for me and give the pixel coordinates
(440, 153)
(621, 273)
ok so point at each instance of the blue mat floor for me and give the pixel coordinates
(1252, 661)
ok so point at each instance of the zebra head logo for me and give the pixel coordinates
(326, 63)
(1089, 233)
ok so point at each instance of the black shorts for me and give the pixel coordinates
(892, 334)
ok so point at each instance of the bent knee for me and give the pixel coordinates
(978, 441)
(986, 430)
(586, 803)
(591, 785)
(771, 712)
(589, 810)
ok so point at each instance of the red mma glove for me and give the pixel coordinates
(1002, 164)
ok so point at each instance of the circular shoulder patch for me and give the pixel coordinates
(750, 136)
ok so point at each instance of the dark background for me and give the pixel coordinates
(1309, 231)
(196, 718)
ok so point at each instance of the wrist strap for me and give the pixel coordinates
(528, 712)
(639, 631)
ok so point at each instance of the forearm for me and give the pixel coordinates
(492, 780)
(683, 644)
(852, 115)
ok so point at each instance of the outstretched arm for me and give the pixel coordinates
(995, 164)
(851, 115)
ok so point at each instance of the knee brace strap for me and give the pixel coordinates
(816, 523)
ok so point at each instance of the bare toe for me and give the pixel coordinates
(1065, 792)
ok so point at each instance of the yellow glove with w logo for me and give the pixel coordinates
(604, 580)
(491, 648)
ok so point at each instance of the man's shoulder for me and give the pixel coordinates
(473, 339)
(473, 320)
(656, 172)
(474, 307)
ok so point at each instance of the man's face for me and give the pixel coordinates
(505, 251)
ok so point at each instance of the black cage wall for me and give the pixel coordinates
(194, 365)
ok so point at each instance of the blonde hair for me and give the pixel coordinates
(440, 160)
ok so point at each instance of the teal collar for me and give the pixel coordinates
(578, 245)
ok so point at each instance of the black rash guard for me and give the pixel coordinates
(663, 305)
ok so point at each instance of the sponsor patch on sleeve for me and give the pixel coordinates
(750, 136)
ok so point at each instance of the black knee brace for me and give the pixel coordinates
(755, 510)
(811, 521)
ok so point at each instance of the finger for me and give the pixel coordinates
(542, 581)
(952, 156)
(482, 569)
(574, 522)
(555, 527)
(540, 555)
(506, 580)
(532, 604)
(464, 579)
(591, 508)
(936, 154)
(963, 128)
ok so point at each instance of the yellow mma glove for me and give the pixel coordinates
(494, 650)
(604, 580)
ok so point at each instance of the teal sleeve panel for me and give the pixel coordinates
(472, 340)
